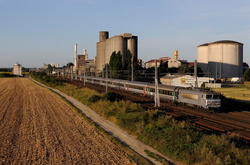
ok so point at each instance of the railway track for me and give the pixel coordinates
(220, 122)
(236, 123)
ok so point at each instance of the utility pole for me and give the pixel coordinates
(84, 78)
(103, 74)
(157, 98)
(195, 73)
(220, 70)
(75, 58)
(106, 77)
(71, 68)
(132, 68)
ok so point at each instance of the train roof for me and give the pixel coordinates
(137, 83)
(164, 87)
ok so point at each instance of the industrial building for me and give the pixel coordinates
(151, 63)
(184, 80)
(176, 62)
(17, 70)
(172, 62)
(46, 66)
(221, 59)
(106, 46)
(81, 62)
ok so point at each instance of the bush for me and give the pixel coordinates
(6, 75)
(246, 75)
(112, 96)
(94, 98)
(42, 77)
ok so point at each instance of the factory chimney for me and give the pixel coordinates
(85, 54)
(75, 56)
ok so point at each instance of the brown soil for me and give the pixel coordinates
(37, 127)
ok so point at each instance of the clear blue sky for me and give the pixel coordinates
(34, 32)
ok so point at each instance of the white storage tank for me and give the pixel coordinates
(221, 59)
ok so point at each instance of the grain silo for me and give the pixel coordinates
(221, 59)
(106, 46)
(103, 35)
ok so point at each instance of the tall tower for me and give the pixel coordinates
(84, 52)
(176, 55)
(75, 57)
(103, 35)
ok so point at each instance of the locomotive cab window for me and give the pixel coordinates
(209, 96)
(216, 97)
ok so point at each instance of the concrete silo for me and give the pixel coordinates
(132, 45)
(221, 59)
(116, 43)
(106, 46)
(103, 35)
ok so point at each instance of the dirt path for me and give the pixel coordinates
(37, 127)
(113, 129)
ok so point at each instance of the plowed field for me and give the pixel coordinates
(37, 127)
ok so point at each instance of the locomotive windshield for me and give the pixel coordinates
(209, 96)
(216, 96)
(212, 96)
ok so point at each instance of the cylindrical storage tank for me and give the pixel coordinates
(103, 35)
(176, 55)
(203, 58)
(114, 44)
(226, 59)
(100, 56)
(132, 46)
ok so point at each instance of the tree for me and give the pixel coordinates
(115, 64)
(199, 71)
(246, 75)
(128, 63)
(163, 68)
(183, 69)
(49, 69)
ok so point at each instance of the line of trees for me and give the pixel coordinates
(10, 69)
(123, 70)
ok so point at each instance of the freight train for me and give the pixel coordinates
(200, 98)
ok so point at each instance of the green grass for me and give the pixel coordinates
(236, 91)
(235, 97)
